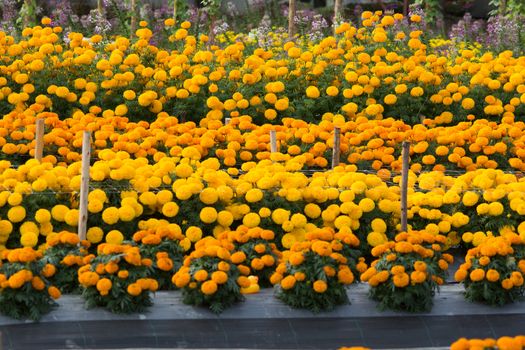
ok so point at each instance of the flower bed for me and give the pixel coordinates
(179, 198)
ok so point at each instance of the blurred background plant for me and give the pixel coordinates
(497, 24)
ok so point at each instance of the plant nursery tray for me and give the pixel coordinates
(263, 322)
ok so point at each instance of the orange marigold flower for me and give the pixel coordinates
(320, 286)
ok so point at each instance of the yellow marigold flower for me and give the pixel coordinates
(170, 209)
(42, 216)
(375, 238)
(390, 99)
(312, 92)
(312, 210)
(193, 233)
(114, 237)
(251, 220)
(332, 91)
(378, 225)
(29, 239)
(208, 215)
(415, 18)
(110, 215)
(16, 214)
(94, 234)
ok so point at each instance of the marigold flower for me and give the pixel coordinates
(209, 287)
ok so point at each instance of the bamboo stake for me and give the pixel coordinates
(336, 152)
(273, 141)
(100, 7)
(133, 24)
(404, 186)
(291, 19)
(337, 11)
(175, 11)
(84, 185)
(39, 138)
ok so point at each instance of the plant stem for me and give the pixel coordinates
(337, 13)
(502, 7)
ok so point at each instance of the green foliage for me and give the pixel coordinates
(432, 8)
(66, 278)
(118, 298)
(25, 303)
(480, 261)
(307, 298)
(257, 249)
(27, 14)
(227, 293)
(408, 272)
(174, 252)
(302, 294)
(507, 7)
(411, 299)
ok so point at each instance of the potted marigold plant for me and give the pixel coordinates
(313, 276)
(25, 289)
(344, 242)
(491, 274)
(502, 343)
(261, 255)
(162, 247)
(118, 279)
(210, 277)
(407, 271)
(63, 251)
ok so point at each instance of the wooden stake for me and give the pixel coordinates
(84, 185)
(291, 19)
(336, 151)
(100, 7)
(227, 121)
(175, 11)
(133, 24)
(405, 7)
(273, 141)
(337, 12)
(39, 138)
(404, 186)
